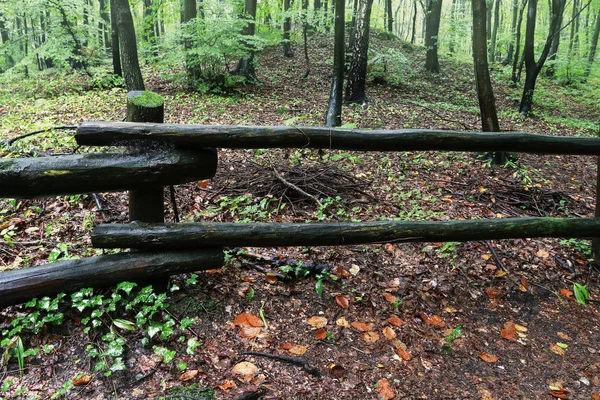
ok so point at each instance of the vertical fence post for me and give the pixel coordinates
(147, 204)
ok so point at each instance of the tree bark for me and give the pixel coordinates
(245, 66)
(262, 137)
(190, 14)
(516, 77)
(116, 52)
(485, 93)
(494, 31)
(513, 27)
(357, 74)
(593, 47)
(432, 19)
(128, 46)
(17, 286)
(211, 234)
(334, 111)
(552, 56)
(287, 27)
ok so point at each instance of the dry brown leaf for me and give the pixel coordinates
(509, 332)
(405, 355)
(202, 184)
(564, 336)
(248, 279)
(487, 357)
(226, 385)
(187, 375)
(320, 334)
(385, 390)
(486, 257)
(285, 346)
(434, 320)
(247, 320)
(541, 253)
(82, 380)
(343, 322)
(270, 277)
(524, 284)
(492, 292)
(595, 396)
(342, 301)
(389, 297)
(249, 332)
(556, 349)
(395, 321)
(298, 349)
(566, 293)
(559, 394)
(520, 328)
(317, 322)
(361, 326)
(244, 368)
(371, 337)
(337, 370)
(389, 333)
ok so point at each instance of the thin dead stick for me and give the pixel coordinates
(495, 255)
(292, 360)
(296, 188)
(9, 142)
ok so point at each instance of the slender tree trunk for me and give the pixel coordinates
(513, 27)
(516, 77)
(495, 31)
(128, 46)
(116, 52)
(357, 74)
(245, 66)
(189, 15)
(103, 24)
(593, 47)
(485, 92)
(433, 15)
(287, 27)
(334, 111)
(148, 33)
(413, 34)
(390, 16)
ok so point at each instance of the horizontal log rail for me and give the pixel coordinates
(252, 137)
(102, 172)
(21, 285)
(195, 235)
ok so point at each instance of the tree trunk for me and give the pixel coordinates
(390, 16)
(116, 52)
(485, 93)
(212, 234)
(189, 14)
(149, 20)
(287, 27)
(593, 47)
(551, 68)
(334, 111)
(513, 28)
(413, 33)
(245, 66)
(518, 60)
(128, 46)
(494, 31)
(533, 68)
(357, 74)
(103, 24)
(434, 12)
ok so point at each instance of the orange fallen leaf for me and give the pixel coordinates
(248, 279)
(342, 301)
(343, 322)
(317, 322)
(187, 375)
(524, 284)
(247, 320)
(389, 333)
(405, 355)
(566, 293)
(202, 184)
(595, 396)
(337, 370)
(487, 357)
(249, 332)
(320, 334)
(395, 321)
(270, 277)
(509, 332)
(385, 390)
(226, 385)
(244, 368)
(285, 346)
(389, 297)
(434, 320)
(557, 349)
(559, 394)
(82, 380)
(371, 337)
(492, 292)
(361, 326)
(298, 349)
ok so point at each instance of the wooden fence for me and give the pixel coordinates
(166, 154)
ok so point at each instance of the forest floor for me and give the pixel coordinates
(482, 319)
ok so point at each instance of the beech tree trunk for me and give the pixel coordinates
(494, 31)
(128, 46)
(334, 111)
(245, 66)
(287, 27)
(432, 28)
(593, 47)
(516, 76)
(193, 71)
(116, 52)
(357, 74)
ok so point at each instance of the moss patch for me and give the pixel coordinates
(146, 99)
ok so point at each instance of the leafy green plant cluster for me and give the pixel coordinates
(387, 66)
(245, 208)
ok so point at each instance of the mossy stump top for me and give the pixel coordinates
(145, 106)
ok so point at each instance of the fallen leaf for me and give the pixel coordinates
(285, 346)
(559, 394)
(595, 396)
(270, 277)
(564, 336)
(337, 370)
(501, 274)
(485, 394)
(395, 321)
(343, 322)
(434, 320)
(244, 368)
(389, 297)
(354, 269)
(487, 357)
(541, 253)
(298, 349)
(226, 385)
(486, 257)
(520, 328)
(524, 284)
(82, 380)
(202, 184)
(317, 322)
(320, 334)
(187, 375)
(371, 337)
(248, 279)
(342, 301)
(556, 349)
(509, 332)
(492, 292)
(405, 355)
(389, 333)
(566, 293)
(361, 326)
(249, 332)
(385, 390)
(247, 320)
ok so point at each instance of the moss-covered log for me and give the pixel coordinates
(102, 172)
(18, 286)
(194, 235)
(252, 137)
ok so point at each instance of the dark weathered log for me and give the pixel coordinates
(252, 137)
(194, 235)
(18, 286)
(102, 172)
